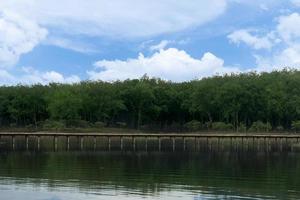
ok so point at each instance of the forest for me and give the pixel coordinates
(245, 102)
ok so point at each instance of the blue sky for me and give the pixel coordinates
(43, 41)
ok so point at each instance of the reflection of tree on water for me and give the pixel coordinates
(151, 174)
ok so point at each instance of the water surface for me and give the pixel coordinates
(66, 176)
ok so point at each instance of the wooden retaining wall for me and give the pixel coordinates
(171, 142)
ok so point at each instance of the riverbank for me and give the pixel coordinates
(150, 134)
(135, 131)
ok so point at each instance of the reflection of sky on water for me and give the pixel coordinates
(42, 193)
(23, 191)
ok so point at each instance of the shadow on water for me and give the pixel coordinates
(199, 175)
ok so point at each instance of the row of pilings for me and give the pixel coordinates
(174, 143)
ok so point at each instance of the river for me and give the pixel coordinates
(184, 176)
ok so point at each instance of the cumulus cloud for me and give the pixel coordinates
(125, 18)
(284, 40)
(255, 42)
(18, 36)
(31, 76)
(287, 57)
(289, 27)
(27, 23)
(170, 64)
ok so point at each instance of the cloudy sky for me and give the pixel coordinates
(44, 41)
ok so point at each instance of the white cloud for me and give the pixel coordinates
(162, 45)
(288, 57)
(255, 42)
(5, 77)
(18, 36)
(125, 18)
(25, 24)
(171, 64)
(289, 27)
(31, 76)
(152, 46)
(70, 44)
(288, 54)
(283, 41)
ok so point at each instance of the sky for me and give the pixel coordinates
(69, 41)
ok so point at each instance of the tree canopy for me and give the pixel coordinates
(253, 101)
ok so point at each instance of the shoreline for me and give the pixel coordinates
(149, 134)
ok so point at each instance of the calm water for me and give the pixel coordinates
(67, 176)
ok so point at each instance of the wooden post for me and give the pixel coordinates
(27, 143)
(13, 142)
(198, 145)
(235, 141)
(81, 143)
(183, 143)
(109, 143)
(146, 147)
(173, 143)
(133, 142)
(55, 143)
(195, 144)
(242, 144)
(38, 143)
(159, 144)
(265, 144)
(68, 143)
(121, 141)
(95, 143)
(207, 145)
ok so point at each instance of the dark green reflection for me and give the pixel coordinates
(250, 175)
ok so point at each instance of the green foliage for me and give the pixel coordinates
(77, 123)
(279, 128)
(99, 124)
(230, 102)
(296, 125)
(193, 125)
(121, 124)
(259, 126)
(53, 125)
(12, 125)
(242, 128)
(221, 126)
(64, 105)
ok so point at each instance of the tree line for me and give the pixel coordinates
(236, 102)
